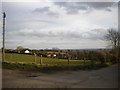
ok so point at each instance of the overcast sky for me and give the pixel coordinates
(64, 25)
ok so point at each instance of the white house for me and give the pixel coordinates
(54, 55)
(27, 51)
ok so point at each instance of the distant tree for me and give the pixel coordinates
(92, 57)
(108, 56)
(101, 56)
(74, 55)
(19, 49)
(80, 55)
(113, 36)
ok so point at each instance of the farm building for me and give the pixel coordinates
(27, 51)
(61, 55)
(24, 51)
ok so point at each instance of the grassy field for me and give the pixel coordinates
(24, 58)
(24, 61)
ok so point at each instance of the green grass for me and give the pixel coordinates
(23, 58)
(26, 62)
(51, 67)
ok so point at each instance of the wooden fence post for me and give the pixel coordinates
(84, 60)
(68, 59)
(40, 59)
(35, 58)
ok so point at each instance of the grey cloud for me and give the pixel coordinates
(63, 34)
(100, 5)
(46, 33)
(95, 34)
(50, 38)
(74, 7)
(42, 10)
(45, 10)
(108, 9)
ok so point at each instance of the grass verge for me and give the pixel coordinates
(51, 67)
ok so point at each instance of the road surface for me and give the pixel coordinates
(103, 78)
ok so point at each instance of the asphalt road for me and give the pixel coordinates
(103, 78)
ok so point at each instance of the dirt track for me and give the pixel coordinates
(103, 78)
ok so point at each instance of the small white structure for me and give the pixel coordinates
(54, 55)
(27, 51)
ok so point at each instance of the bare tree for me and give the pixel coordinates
(113, 36)
(19, 48)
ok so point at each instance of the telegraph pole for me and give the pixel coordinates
(3, 49)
